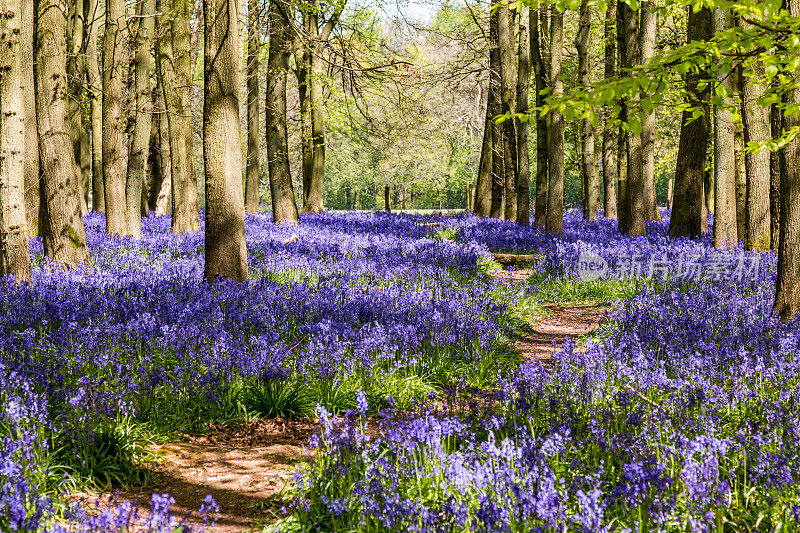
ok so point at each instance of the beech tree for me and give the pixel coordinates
(555, 192)
(589, 171)
(609, 136)
(253, 171)
(523, 129)
(542, 143)
(114, 118)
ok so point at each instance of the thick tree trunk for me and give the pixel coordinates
(226, 251)
(555, 196)
(635, 214)
(483, 187)
(114, 118)
(589, 170)
(29, 103)
(647, 43)
(140, 144)
(688, 212)
(62, 225)
(313, 202)
(253, 172)
(724, 160)
(523, 128)
(284, 207)
(609, 135)
(542, 143)
(75, 69)
(508, 85)
(175, 71)
(777, 171)
(96, 19)
(15, 257)
(740, 177)
(494, 109)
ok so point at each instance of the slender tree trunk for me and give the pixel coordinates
(483, 187)
(508, 85)
(314, 197)
(284, 207)
(31, 167)
(96, 19)
(542, 142)
(740, 175)
(688, 212)
(609, 136)
(647, 43)
(387, 206)
(62, 225)
(14, 248)
(724, 161)
(140, 144)
(114, 118)
(589, 170)
(670, 188)
(555, 196)
(225, 252)
(76, 25)
(253, 172)
(635, 181)
(777, 171)
(523, 128)
(495, 106)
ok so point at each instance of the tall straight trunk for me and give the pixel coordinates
(96, 19)
(634, 220)
(61, 221)
(140, 144)
(253, 172)
(542, 142)
(787, 288)
(555, 193)
(15, 257)
(114, 118)
(313, 203)
(508, 85)
(756, 122)
(724, 160)
(31, 165)
(164, 192)
(483, 187)
(740, 177)
(670, 188)
(302, 59)
(225, 251)
(609, 132)
(777, 169)
(284, 207)
(495, 106)
(75, 27)
(387, 206)
(175, 70)
(589, 170)
(688, 208)
(523, 129)
(647, 44)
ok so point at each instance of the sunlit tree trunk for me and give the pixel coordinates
(508, 85)
(31, 168)
(140, 144)
(523, 128)
(609, 132)
(95, 96)
(253, 171)
(225, 250)
(589, 170)
(483, 187)
(542, 143)
(777, 169)
(647, 43)
(61, 222)
(14, 248)
(555, 193)
(688, 211)
(75, 68)
(635, 214)
(284, 206)
(114, 118)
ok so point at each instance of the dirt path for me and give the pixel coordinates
(568, 320)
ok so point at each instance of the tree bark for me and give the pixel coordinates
(523, 128)
(253, 172)
(483, 187)
(225, 251)
(635, 213)
(75, 68)
(740, 176)
(176, 74)
(555, 193)
(495, 105)
(542, 142)
(140, 144)
(387, 206)
(724, 161)
(31, 168)
(508, 84)
(14, 247)
(647, 43)
(589, 170)
(609, 134)
(62, 225)
(777, 171)
(688, 213)
(96, 18)
(284, 207)
(114, 118)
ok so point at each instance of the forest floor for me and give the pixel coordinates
(246, 467)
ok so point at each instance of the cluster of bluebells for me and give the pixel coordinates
(682, 415)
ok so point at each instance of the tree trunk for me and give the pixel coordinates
(31, 169)
(284, 207)
(140, 144)
(609, 136)
(313, 202)
(724, 161)
(523, 128)
(688, 213)
(555, 197)
(62, 225)
(483, 187)
(494, 109)
(542, 142)
(15, 257)
(740, 176)
(253, 172)
(114, 118)
(777, 171)
(96, 19)
(75, 27)
(508, 85)
(386, 203)
(176, 75)
(589, 170)
(226, 251)
(635, 212)
(647, 43)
